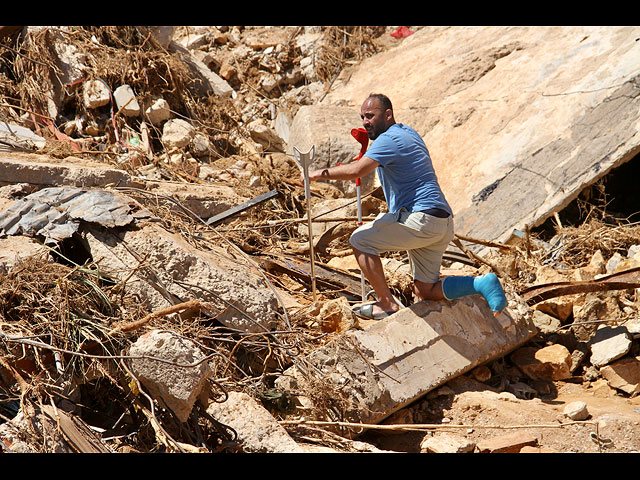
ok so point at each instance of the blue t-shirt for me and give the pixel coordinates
(406, 172)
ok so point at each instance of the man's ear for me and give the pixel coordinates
(388, 114)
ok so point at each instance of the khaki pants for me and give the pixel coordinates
(424, 237)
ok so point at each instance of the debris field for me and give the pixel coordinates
(154, 263)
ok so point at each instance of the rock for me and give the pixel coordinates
(560, 308)
(624, 375)
(446, 443)
(481, 373)
(507, 443)
(193, 41)
(200, 145)
(633, 251)
(238, 294)
(597, 263)
(126, 101)
(265, 136)
(593, 306)
(177, 133)
(95, 94)
(207, 82)
(158, 111)
(576, 411)
(633, 327)
(614, 262)
(390, 363)
(545, 323)
(548, 363)
(609, 344)
(172, 381)
(257, 430)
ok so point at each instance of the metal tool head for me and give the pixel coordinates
(304, 159)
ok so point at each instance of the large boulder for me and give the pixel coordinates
(518, 120)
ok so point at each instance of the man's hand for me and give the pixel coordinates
(347, 171)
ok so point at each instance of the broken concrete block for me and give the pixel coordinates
(177, 133)
(174, 269)
(609, 344)
(548, 363)
(508, 443)
(446, 443)
(16, 169)
(179, 379)
(126, 101)
(257, 430)
(576, 411)
(624, 375)
(158, 111)
(95, 94)
(384, 367)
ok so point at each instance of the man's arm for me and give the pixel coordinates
(347, 171)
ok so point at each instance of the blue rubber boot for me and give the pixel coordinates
(486, 285)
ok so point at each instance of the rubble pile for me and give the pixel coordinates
(155, 292)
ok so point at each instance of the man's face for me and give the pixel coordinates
(374, 120)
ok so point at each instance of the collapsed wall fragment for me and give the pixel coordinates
(161, 266)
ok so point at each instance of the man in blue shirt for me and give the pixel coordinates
(419, 219)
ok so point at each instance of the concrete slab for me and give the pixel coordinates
(392, 363)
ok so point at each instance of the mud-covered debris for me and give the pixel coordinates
(55, 213)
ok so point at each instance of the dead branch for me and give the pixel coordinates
(188, 305)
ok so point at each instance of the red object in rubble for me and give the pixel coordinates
(360, 134)
(402, 32)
